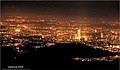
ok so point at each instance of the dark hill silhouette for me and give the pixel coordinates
(57, 56)
(73, 50)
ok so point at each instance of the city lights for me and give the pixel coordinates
(95, 30)
(17, 30)
(77, 35)
(94, 37)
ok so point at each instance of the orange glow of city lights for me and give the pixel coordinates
(17, 30)
(25, 26)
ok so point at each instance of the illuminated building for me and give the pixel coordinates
(101, 35)
(79, 33)
(78, 36)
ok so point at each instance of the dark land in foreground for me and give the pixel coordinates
(58, 56)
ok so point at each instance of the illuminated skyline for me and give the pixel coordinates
(60, 34)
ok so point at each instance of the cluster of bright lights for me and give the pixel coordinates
(17, 30)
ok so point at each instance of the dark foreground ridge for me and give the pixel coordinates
(58, 56)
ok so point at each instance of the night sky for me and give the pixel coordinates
(100, 9)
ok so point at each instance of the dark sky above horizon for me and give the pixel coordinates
(102, 9)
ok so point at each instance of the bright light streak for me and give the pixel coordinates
(25, 26)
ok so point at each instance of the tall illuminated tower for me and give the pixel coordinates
(101, 35)
(79, 33)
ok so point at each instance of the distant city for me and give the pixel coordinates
(33, 42)
(16, 31)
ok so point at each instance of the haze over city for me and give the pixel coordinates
(75, 9)
(70, 34)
